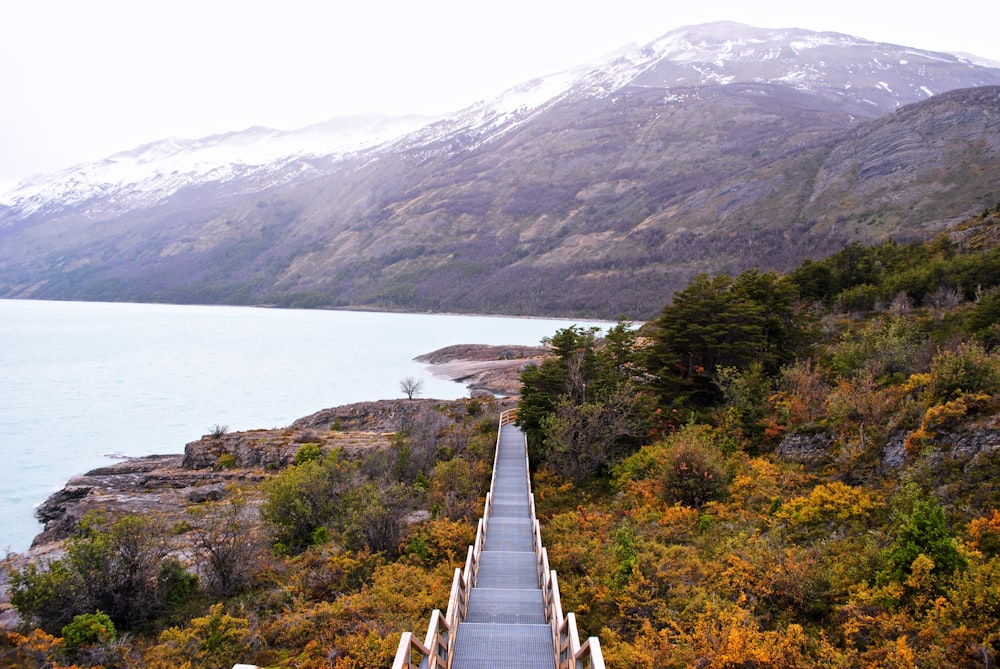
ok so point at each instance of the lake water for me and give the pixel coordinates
(83, 383)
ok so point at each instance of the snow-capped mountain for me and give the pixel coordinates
(629, 173)
(878, 77)
(257, 157)
(872, 78)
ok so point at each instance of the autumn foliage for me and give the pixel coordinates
(778, 472)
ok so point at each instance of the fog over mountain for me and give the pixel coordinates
(595, 191)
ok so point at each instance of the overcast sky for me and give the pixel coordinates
(84, 79)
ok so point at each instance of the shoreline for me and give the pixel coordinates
(166, 485)
(484, 369)
(479, 367)
(360, 309)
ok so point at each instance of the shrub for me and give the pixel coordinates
(307, 453)
(967, 369)
(689, 467)
(746, 392)
(984, 532)
(802, 393)
(829, 506)
(226, 461)
(303, 498)
(374, 517)
(695, 472)
(921, 531)
(215, 640)
(888, 349)
(43, 595)
(112, 569)
(175, 584)
(89, 628)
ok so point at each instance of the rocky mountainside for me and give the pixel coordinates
(596, 191)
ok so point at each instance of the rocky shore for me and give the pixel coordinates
(492, 370)
(167, 485)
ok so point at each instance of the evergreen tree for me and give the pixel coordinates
(720, 322)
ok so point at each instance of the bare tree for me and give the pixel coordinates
(229, 543)
(411, 387)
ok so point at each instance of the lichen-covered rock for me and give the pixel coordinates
(805, 448)
(381, 416)
(894, 453)
(963, 445)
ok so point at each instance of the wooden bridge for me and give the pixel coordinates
(504, 609)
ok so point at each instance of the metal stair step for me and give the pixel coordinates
(495, 605)
(502, 569)
(492, 645)
(509, 534)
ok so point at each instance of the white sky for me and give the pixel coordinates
(84, 79)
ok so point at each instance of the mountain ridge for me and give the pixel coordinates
(592, 191)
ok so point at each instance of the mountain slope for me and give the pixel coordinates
(594, 191)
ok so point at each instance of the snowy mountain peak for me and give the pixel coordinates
(736, 42)
(874, 77)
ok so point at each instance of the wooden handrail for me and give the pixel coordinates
(508, 416)
(404, 652)
(571, 654)
(433, 652)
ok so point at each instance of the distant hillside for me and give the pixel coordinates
(594, 192)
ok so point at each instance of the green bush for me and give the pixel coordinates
(112, 569)
(374, 517)
(689, 464)
(857, 298)
(984, 318)
(175, 584)
(43, 594)
(921, 530)
(226, 461)
(889, 349)
(968, 369)
(304, 498)
(89, 628)
(307, 453)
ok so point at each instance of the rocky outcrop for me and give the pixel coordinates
(963, 445)
(158, 483)
(894, 452)
(481, 353)
(168, 484)
(273, 449)
(384, 416)
(806, 448)
(485, 370)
